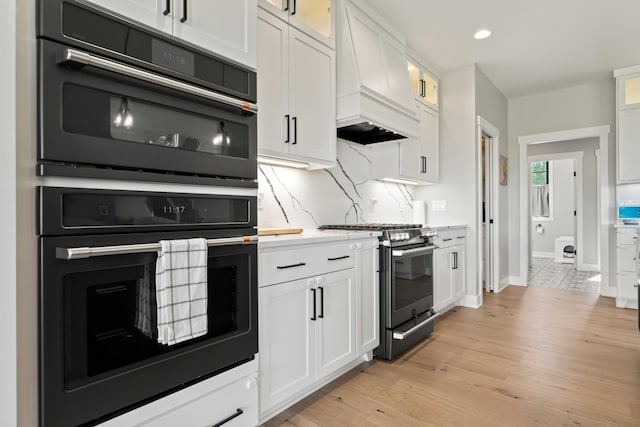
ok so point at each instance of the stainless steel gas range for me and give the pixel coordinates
(406, 285)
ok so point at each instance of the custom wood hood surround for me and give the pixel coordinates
(374, 97)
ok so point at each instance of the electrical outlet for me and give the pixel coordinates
(439, 206)
(374, 205)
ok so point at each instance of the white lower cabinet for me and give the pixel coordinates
(313, 328)
(449, 265)
(627, 268)
(231, 396)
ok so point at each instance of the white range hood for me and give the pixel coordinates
(374, 98)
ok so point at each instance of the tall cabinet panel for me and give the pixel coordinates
(312, 88)
(628, 124)
(296, 94)
(273, 83)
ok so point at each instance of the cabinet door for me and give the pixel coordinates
(629, 145)
(336, 332)
(314, 17)
(627, 258)
(458, 276)
(368, 298)
(411, 164)
(226, 28)
(430, 144)
(154, 13)
(273, 85)
(442, 280)
(312, 100)
(287, 341)
(627, 286)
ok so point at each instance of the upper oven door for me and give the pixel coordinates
(97, 111)
(410, 284)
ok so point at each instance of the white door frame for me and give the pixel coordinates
(577, 157)
(601, 132)
(493, 134)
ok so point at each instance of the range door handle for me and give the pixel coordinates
(76, 57)
(96, 251)
(403, 335)
(417, 251)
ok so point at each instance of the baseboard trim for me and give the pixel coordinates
(517, 281)
(537, 254)
(471, 301)
(589, 267)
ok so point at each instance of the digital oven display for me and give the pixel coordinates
(172, 57)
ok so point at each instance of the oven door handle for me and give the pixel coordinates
(89, 252)
(403, 335)
(416, 251)
(76, 57)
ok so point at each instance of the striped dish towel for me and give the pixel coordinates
(181, 290)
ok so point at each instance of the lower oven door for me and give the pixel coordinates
(410, 284)
(95, 111)
(95, 359)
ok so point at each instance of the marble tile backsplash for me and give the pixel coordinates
(341, 195)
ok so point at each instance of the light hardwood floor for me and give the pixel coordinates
(528, 357)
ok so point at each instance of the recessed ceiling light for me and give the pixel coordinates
(482, 34)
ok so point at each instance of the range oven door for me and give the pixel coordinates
(409, 284)
(94, 360)
(97, 111)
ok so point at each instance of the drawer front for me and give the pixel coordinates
(280, 266)
(627, 238)
(232, 395)
(446, 238)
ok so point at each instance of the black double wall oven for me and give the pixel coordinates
(115, 98)
(121, 102)
(96, 247)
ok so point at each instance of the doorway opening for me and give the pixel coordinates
(591, 252)
(488, 212)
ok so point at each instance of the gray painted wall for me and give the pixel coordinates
(581, 106)
(8, 355)
(492, 105)
(457, 163)
(562, 194)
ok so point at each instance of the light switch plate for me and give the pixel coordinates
(439, 206)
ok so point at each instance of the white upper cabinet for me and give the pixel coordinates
(225, 28)
(628, 124)
(313, 17)
(296, 95)
(414, 160)
(423, 83)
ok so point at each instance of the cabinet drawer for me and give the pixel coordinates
(230, 394)
(627, 238)
(291, 264)
(450, 237)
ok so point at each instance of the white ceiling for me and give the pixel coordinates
(535, 46)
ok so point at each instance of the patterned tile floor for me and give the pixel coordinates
(547, 273)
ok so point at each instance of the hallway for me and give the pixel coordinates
(546, 273)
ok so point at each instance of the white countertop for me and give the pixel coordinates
(313, 236)
(444, 227)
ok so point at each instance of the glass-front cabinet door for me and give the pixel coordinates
(629, 87)
(314, 17)
(423, 84)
